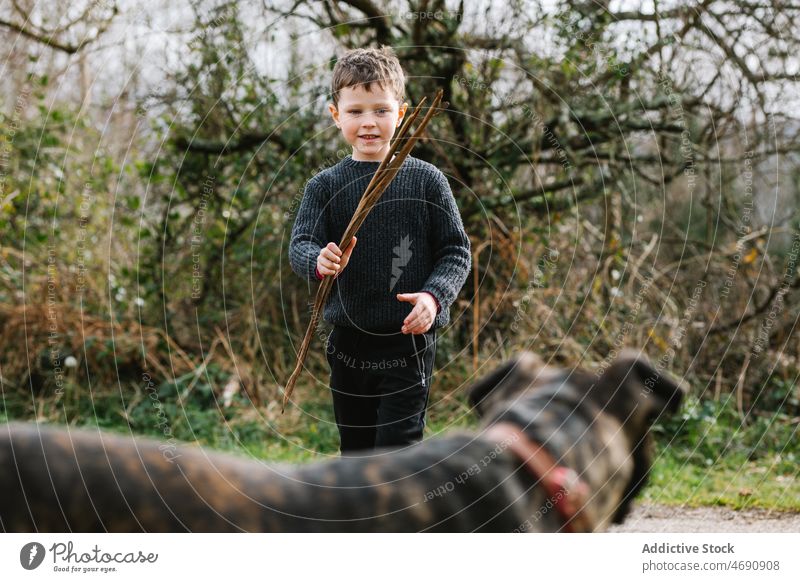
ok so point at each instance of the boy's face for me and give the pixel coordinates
(368, 119)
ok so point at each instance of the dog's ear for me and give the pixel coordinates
(506, 381)
(648, 391)
(637, 393)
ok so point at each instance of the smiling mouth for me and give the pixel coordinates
(368, 137)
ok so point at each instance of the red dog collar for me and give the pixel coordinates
(565, 490)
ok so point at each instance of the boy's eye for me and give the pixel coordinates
(381, 111)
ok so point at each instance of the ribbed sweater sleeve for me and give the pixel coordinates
(309, 232)
(451, 247)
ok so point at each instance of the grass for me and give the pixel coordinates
(710, 455)
(751, 484)
(197, 418)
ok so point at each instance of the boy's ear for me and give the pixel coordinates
(402, 112)
(334, 113)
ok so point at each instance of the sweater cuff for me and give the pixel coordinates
(438, 305)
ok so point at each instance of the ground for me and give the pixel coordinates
(654, 518)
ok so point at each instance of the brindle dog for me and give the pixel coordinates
(55, 479)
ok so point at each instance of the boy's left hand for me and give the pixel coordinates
(421, 317)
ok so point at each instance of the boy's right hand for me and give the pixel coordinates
(331, 260)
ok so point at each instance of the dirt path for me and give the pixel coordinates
(651, 518)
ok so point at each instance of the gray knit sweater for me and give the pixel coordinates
(412, 241)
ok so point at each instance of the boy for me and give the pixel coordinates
(414, 254)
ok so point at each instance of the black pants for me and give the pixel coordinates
(380, 386)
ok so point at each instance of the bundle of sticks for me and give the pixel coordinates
(383, 176)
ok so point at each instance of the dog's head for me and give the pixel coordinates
(631, 390)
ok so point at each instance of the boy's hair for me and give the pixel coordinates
(365, 66)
